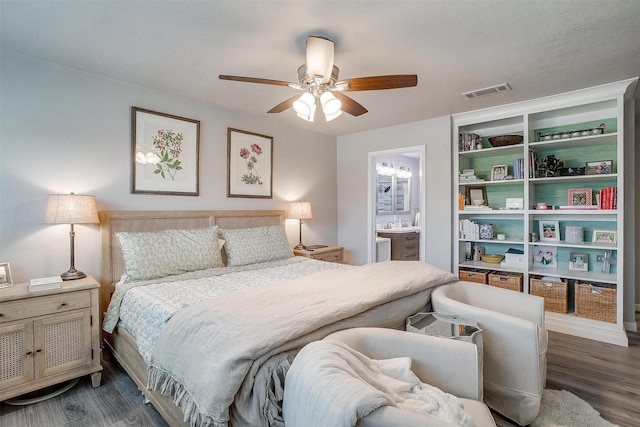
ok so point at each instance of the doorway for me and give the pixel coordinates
(394, 196)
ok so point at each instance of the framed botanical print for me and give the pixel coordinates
(164, 153)
(249, 164)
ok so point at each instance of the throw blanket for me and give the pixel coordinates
(330, 384)
(209, 353)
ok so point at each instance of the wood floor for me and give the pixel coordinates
(605, 375)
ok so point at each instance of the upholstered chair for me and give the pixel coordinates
(514, 339)
(452, 366)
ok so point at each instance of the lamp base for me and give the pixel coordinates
(73, 274)
(300, 246)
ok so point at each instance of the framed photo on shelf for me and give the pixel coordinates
(164, 153)
(580, 197)
(579, 261)
(475, 192)
(549, 230)
(498, 172)
(601, 167)
(249, 164)
(545, 256)
(602, 236)
(5, 275)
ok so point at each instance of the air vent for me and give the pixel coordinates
(504, 87)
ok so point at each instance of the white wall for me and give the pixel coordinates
(63, 130)
(435, 135)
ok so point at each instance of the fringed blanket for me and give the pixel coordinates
(209, 354)
(330, 384)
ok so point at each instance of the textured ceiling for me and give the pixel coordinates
(538, 47)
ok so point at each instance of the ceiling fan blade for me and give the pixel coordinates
(349, 105)
(319, 57)
(254, 80)
(284, 105)
(381, 82)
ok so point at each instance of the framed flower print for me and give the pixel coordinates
(249, 164)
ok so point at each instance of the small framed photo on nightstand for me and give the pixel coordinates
(5, 275)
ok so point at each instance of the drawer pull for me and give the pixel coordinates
(38, 350)
(62, 305)
(29, 353)
(1, 314)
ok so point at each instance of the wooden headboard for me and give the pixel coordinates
(135, 221)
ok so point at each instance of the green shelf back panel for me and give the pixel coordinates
(513, 230)
(557, 193)
(580, 155)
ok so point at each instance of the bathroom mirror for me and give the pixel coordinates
(393, 195)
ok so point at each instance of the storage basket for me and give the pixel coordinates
(511, 281)
(474, 275)
(555, 294)
(596, 301)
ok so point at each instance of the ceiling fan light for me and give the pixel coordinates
(304, 104)
(329, 117)
(330, 104)
(319, 57)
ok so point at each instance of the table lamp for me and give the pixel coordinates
(71, 209)
(299, 211)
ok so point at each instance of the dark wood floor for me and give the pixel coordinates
(605, 375)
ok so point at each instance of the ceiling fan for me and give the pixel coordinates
(318, 78)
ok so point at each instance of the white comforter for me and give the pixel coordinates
(330, 384)
(209, 354)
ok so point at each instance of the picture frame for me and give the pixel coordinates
(5, 275)
(600, 167)
(472, 192)
(545, 256)
(164, 153)
(604, 236)
(499, 172)
(579, 261)
(249, 164)
(580, 197)
(549, 230)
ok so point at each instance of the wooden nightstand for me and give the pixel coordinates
(48, 337)
(330, 253)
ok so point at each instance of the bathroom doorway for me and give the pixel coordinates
(396, 197)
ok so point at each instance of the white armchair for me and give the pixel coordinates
(515, 343)
(452, 366)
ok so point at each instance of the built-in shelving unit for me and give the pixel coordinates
(561, 126)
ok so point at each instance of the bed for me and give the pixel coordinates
(240, 343)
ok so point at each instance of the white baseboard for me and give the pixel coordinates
(637, 307)
(631, 326)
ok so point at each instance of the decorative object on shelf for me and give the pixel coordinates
(572, 171)
(504, 140)
(607, 261)
(5, 275)
(71, 209)
(501, 236)
(249, 164)
(604, 236)
(600, 167)
(476, 192)
(478, 252)
(492, 258)
(486, 231)
(468, 251)
(534, 237)
(579, 261)
(574, 234)
(469, 142)
(545, 256)
(514, 257)
(299, 211)
(548, 166)
(469, 175)
(498, 172)
(165, 153)
(549, 230)
(541, 206)
(516, 203)
(571, 133)
(580, 197)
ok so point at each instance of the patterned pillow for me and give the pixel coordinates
(150, 255)
(254, 245)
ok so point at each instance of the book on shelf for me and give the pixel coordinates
(608, 198)
(580, 207)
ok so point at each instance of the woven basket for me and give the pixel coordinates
(479, 276)
(555, 294)
(511, 281)
(596, 301)
(502, 140)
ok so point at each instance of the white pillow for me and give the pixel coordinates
(254, 245)
(150, 255)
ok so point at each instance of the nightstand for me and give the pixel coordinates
(48, 337)
(330, 253)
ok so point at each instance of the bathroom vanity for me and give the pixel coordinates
(405, 242)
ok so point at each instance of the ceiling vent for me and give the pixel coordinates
(504, 87)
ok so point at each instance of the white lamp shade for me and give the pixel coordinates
(330, 104)
(305, 106)
(319, 58)
(299, 210)
(71, 209)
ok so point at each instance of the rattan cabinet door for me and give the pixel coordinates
(16, 354)
(62, 343)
